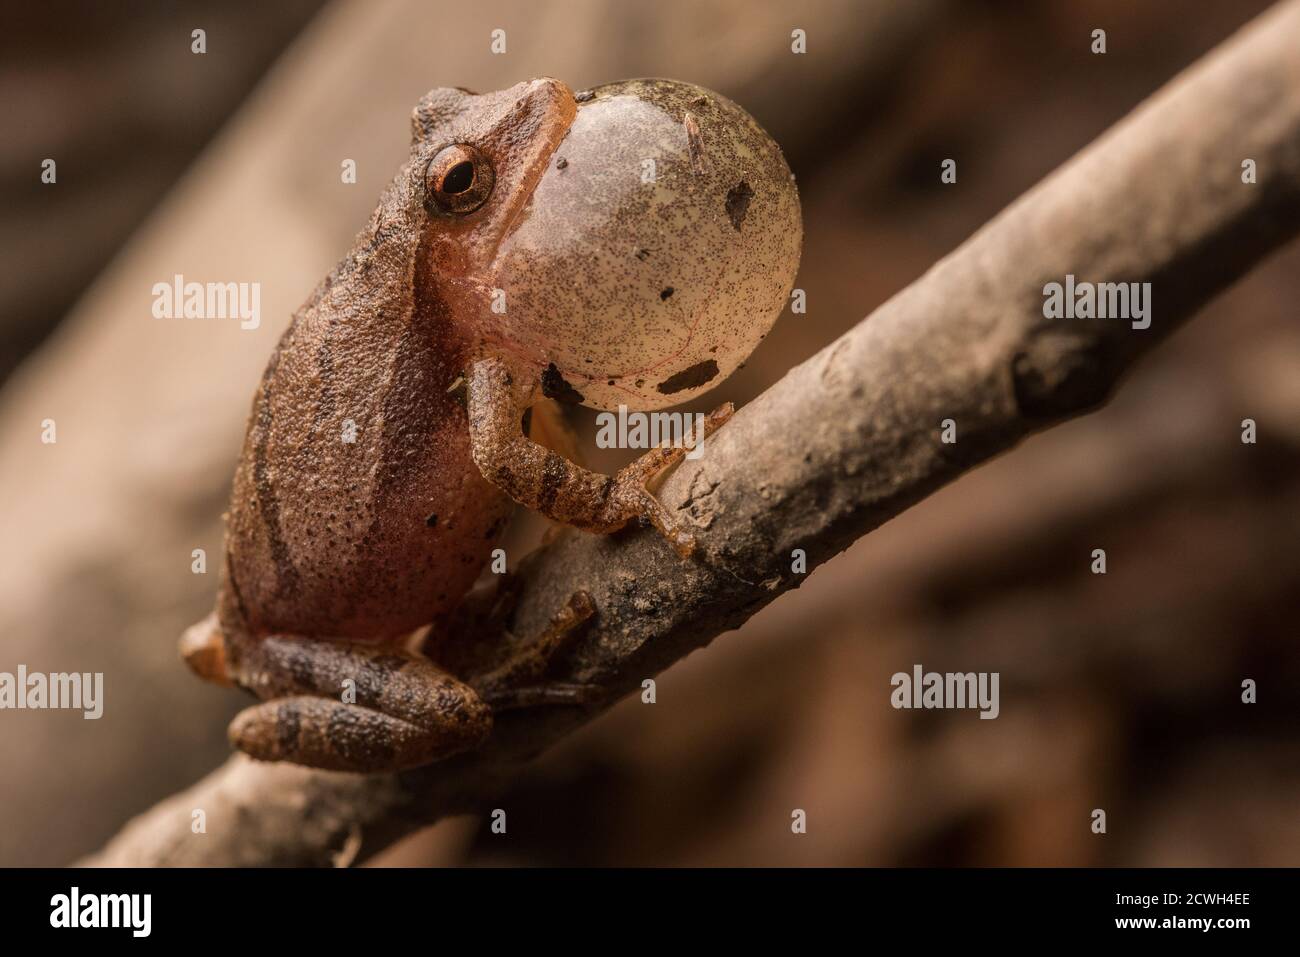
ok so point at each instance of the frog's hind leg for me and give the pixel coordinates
(519, 681)
(470, 640)
(351, 707)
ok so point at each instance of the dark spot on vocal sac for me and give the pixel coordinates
(555, 387)
(667, 293)
(432, 520)
(738, 203)
(690, 378)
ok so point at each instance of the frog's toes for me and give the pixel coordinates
(637, 500)
(204, 650)
(327, 734)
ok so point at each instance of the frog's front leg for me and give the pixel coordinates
(548, 483)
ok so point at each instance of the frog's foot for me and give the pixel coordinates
(351, 707)
(551, 484)
(632, 495)
(520, 682)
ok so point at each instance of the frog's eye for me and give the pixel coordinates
(458, 180)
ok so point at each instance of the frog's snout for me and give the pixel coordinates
(551, 89)
(533, 118)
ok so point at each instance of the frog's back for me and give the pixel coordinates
(357, 510)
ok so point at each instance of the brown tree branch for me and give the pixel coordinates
(848, 439)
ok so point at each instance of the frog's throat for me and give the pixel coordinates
(513, 214)
(513, 217)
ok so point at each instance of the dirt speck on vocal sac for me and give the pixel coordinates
(738, 203)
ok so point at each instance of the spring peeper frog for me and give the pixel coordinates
(629, 245)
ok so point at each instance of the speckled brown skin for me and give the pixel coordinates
(375, 480)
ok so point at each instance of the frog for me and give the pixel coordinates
(629, 244)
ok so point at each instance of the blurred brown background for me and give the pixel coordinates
(1119, 691)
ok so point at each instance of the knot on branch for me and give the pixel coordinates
(1062, 372)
